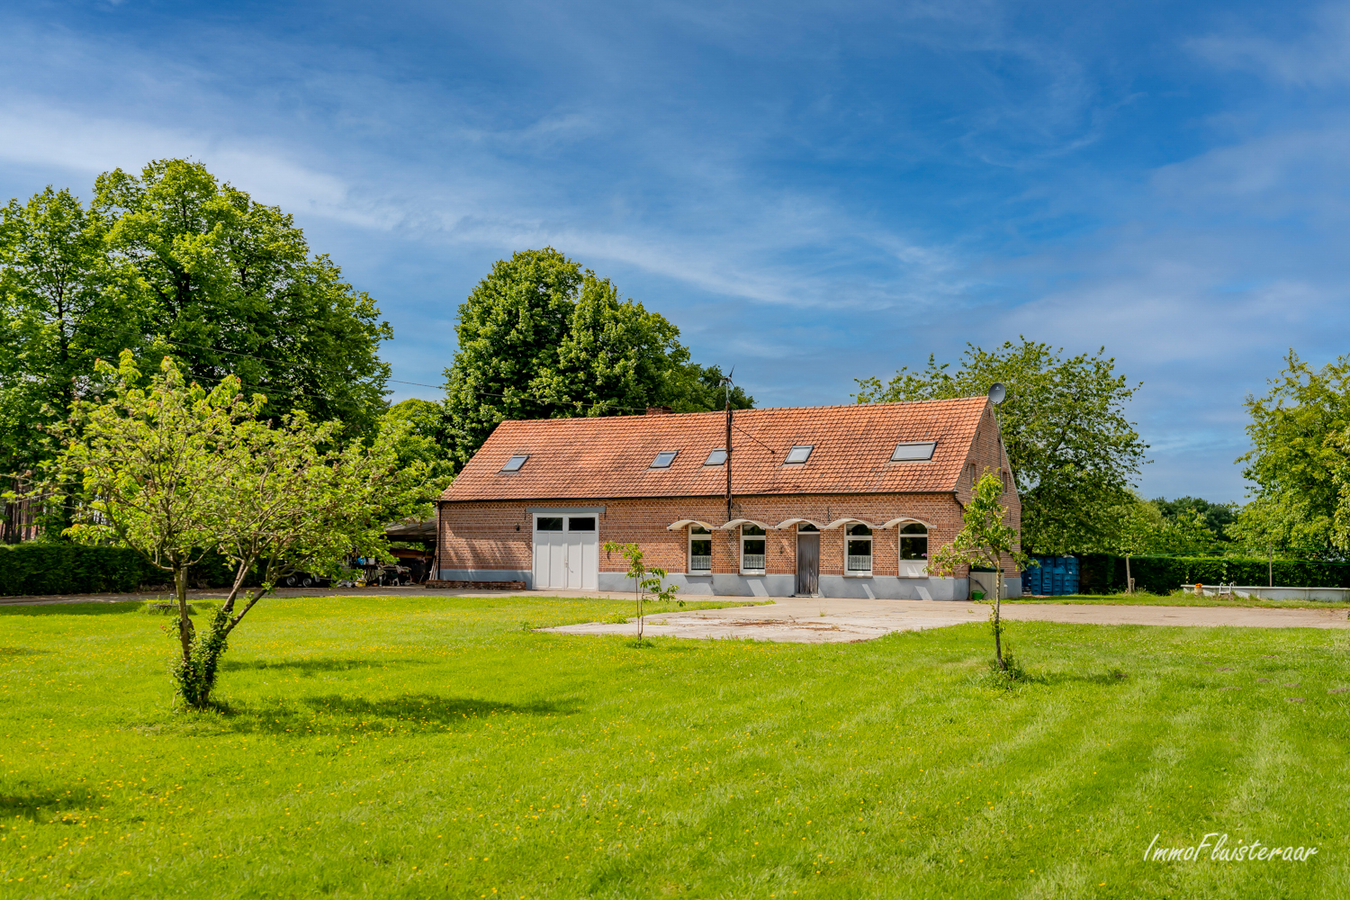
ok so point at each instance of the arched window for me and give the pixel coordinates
(752, 549)
(858, 555)
(700, 550)
(914, 541)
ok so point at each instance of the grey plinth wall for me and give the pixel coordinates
(878, 587)
(524, 575)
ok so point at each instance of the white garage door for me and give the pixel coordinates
(566, 552)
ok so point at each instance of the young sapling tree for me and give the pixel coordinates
(985, 538)
(174, 471)
(644, 579)
(153, 467)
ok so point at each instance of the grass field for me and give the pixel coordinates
(429, 747)
(1181, 598)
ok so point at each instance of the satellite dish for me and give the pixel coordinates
(997, 393)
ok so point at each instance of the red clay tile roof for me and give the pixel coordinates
(611, 456)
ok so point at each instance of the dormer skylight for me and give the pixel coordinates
(716, 458)
(514, 463)
(914, 452)
(664, 459)
(799, 455)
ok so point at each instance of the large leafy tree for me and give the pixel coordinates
(1074, 453)
(1216, 518)
(540, 337)
(1298, 459)
(231, 287)
(422, 431)
(172, 262)
(58, 292)
(174, 471)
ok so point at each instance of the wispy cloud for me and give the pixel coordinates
(39, 135)
(1319, 56)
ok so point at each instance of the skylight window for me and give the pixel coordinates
(664, 459)
(716, 458)
(514, 463)
(913, 452)
(799, 454)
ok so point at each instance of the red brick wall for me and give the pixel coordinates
(483, 535)
(988, 455)
(497, 534)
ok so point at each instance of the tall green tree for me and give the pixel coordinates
(422, 430)
(1296, 459)
(173, 262)
(230, 286)
(540, 337)
(1074, 453)
(1216, 517)
(58, 292)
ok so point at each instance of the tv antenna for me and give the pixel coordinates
(726, 380)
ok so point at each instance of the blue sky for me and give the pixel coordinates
(812, 192)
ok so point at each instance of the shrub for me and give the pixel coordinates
(62, 568)
(1103, 573)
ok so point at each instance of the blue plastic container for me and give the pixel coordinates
(1055, 576)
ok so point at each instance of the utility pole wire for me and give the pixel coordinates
(727, 382)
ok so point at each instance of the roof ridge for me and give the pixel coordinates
(758, 409)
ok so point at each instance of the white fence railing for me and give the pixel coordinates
(860, 563)
(700, 564)
(753, 562)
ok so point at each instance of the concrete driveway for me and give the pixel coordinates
(838, 620)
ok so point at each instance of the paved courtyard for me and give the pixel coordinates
(829, 620)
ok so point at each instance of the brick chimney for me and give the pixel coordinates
(658, 410)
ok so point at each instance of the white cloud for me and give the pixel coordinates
(1320, 57)
(39, 135)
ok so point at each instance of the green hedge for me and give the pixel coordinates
(1101, 573)
(61, 568)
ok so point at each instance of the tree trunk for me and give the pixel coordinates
(180, 582)
(1129, 581)
(998, 624)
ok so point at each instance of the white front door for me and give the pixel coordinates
(566, 552)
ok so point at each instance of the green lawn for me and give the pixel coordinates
(1181, 598)
(428, 747)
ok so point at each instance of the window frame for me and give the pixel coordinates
(689, 550)
(931, 445)
(669, 462)
(508, 469)
(906, 567)
(762, 536)
(721, 462)
(870, 537)
(789, 461)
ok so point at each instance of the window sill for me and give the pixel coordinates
(857, 574)
(699, 573)
(752, 571)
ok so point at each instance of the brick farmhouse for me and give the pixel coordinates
(840, 501)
